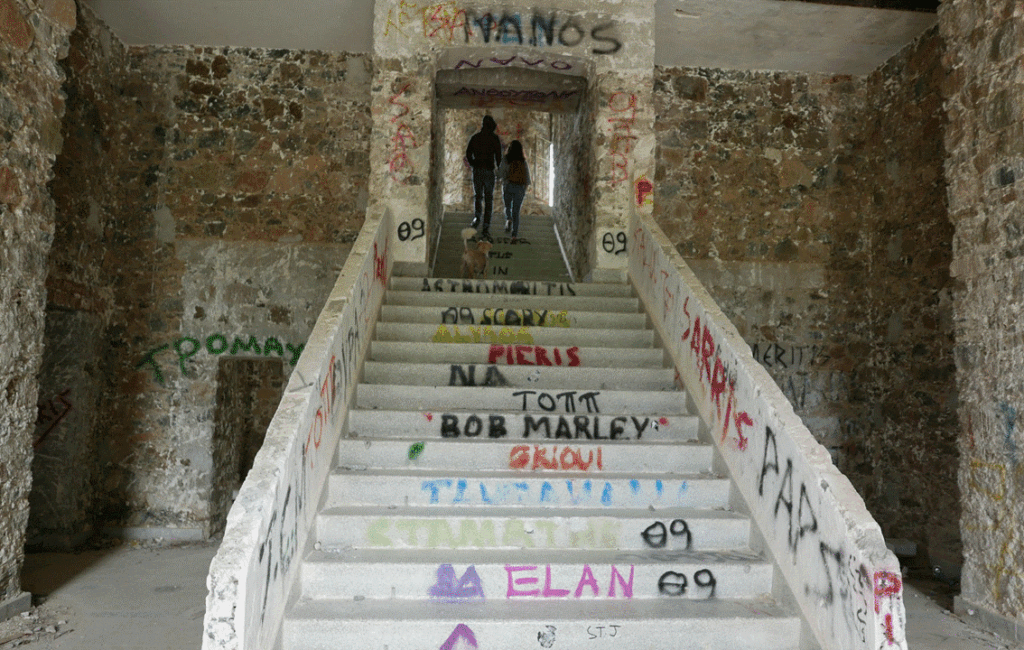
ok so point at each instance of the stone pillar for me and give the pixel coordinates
(983, 57)
(33, 37)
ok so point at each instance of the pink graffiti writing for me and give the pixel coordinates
(403, 140)
(713, 373)
(51, 413)
(399, 17)
(534, 355)
(570, 458)
(622, 137)
(460, 633)
(517, 584)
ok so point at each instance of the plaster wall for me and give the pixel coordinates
(983, 58)
(33, 38)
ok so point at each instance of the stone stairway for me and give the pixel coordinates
(520, 471)
(536, 256)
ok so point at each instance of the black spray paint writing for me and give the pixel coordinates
(673, 583)
(465, 375)
(490, 316)
(498, 287)
(549, 402)
(562, 427)
(657, 534)
(539, 30)
(800, 515)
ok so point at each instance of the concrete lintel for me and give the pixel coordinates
(15, 605)
(986, 618)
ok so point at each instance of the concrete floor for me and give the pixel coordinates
(152, 598)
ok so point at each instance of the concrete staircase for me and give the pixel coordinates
(536, 256)
(521, 471)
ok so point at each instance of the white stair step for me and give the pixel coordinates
(534, 377)
(500, 624)
(573, 303)
(516, 354)
(552, 316)
(440, 576)
(572, 402)
(518, 490)
(541, 459)
(342, 528)
(513, 334)
(504, 287)
(529, 427)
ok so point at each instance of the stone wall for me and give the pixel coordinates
(812, 208)
(573, 209)
(33, 37)
(227, 185)
(984, 140)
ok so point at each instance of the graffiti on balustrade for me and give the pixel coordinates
(452, 588)
(187, 347)
(574, 492)
(570, 459)
(576, 427)
(523, 582)
(566, 400)
(482, 334)
(534, 355)
(502, 532)
(845, 579)
(622, 140)
(888, 595)
(716, 376)
(278, 544)
(499, 316)
(50, 414)
(498, 287)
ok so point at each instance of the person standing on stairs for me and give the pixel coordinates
(515, 175)
(484, 154)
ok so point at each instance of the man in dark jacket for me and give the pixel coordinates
(483, 155)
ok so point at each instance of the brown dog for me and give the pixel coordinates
(474, 260)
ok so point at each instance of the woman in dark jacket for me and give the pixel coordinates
(516, 175)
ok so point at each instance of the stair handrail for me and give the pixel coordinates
(269, 522)
(827, 546)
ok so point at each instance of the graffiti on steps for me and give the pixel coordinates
(448, 588)
(465, 375)
(499, 316)
(585, 492)
(657, 535)
(521, 586)
(534, 355)
(570, 459)
(483, 334)
(673, 583)
(549, 402)
(516, 287)
(461, 633)
(576, 427)
(607, 631)
(444, 532)
(187, 347)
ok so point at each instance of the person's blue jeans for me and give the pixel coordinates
(483, 197)
(513, 196)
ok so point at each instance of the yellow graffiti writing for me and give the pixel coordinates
(469, 334)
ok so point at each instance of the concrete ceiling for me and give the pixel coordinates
(732, 34)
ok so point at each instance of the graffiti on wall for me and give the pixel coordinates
(621, 142)
(403, 138)
(447, 23)
(558, 65)
(187, 347)
(49, 415)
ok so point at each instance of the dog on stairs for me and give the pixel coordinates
(474, 260)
